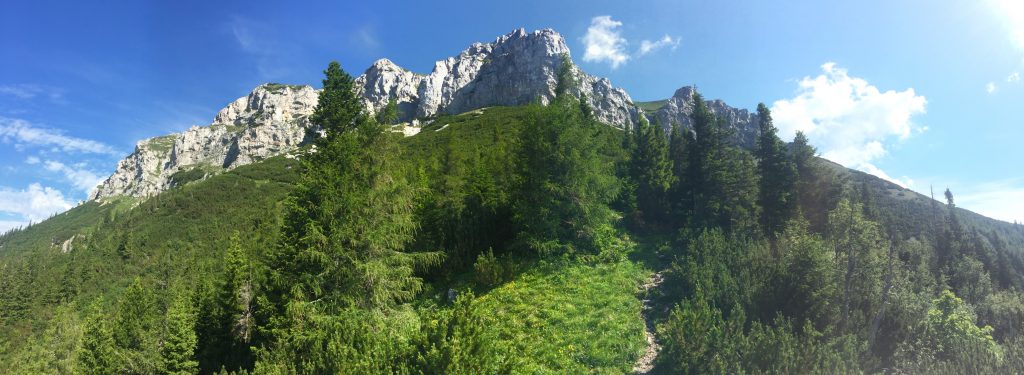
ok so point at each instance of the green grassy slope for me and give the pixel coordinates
(651, 106)
(178, 239)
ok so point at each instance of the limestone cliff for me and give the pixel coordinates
(516, 69)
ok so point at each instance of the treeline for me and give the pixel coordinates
(779, 265)
(362, 233)
(772, 261)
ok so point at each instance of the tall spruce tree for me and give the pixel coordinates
(722, 178)
(566, 184)
(348, 220)
(651, 170)
(679, 197)
(177, 355)
(777, 188)
(99, 351)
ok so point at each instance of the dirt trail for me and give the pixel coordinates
(645, 364)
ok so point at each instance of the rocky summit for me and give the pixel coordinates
(517, 68)
(741, 123)
(272, 119)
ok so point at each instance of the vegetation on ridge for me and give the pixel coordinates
(515, 240)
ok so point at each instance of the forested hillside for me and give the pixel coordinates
(517, 240)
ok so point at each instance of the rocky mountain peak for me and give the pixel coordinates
(515, 69)
(741, 122)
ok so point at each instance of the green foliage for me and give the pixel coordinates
(488, 271)
(185, 176)
(99, 354)
(566, 317)
(721, 178)
(338, 108)
(777, 173)
(950, 327)
(697, 339)
(566, 184)
(389, 114)
(458, 341)
(177, 355)
(651, 171)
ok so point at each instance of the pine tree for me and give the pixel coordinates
(389, 114)
(651, 170)
(349, 219)
(99, 356)
(777, 176)
(338, 108)
(135, 314)
(803, 153)
(177, 355)
(679, 200)
(566, 184)
(226, 325)
(722, 178)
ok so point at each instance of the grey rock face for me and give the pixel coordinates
(270, 120)
(515, 69)
(740, 122)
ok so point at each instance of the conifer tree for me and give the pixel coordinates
(349, 219)
(135, 314)
(651, 170)
(679, 200)
(389, 114)
(99, 356)
(177, 355)
(722, 178)
(566, 184)
(777, 186)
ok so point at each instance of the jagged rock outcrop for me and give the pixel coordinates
(515, 69)
(741, 122)
(270, 120)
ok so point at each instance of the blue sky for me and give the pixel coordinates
(924, 94)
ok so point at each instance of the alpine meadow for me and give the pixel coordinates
(505, 213)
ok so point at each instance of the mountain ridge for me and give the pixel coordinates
(517, 68)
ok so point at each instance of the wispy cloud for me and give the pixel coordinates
(647, 46)
(31, 90)
(82, 178)
(991, 87)
(1003, 200)
(22, 132)
(1013, 77)
(35, 203)
(366, 36)
(848, 119)
(604, 42)
(257, 39)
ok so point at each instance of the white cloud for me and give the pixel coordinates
(1013, 78)
(1012, 14)
(604, 42)
(36, 203)
(990, 87)
(32, 160)
(849, 120)
(22, 132)
(82, 178)
(647, 46)
(29, 91)
(1003, 200)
